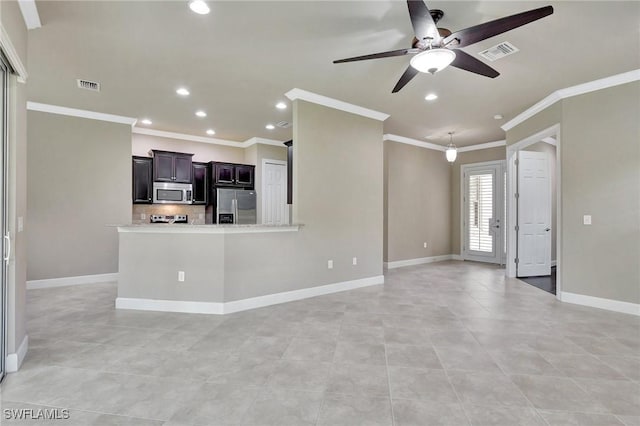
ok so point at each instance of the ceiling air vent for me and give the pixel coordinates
(500, 51)
(88, 85)
(283, 124)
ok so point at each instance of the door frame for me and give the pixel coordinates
(463, 169)
(548, 135)
(263, 186)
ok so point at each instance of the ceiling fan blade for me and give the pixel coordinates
(409, 73)
(466, 62)
(421, 20)
(388, 54)
(480, 32)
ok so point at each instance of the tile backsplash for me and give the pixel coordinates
(194, 213)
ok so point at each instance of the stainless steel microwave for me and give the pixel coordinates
(172, 193)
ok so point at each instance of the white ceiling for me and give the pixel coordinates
(239, 60)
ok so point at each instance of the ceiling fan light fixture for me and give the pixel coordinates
(433, 60)
(199, 6)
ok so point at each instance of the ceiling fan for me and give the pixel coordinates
(436, 48)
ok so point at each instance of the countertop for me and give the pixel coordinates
(183, 228)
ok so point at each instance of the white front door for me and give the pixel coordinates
(534, 214)
(275, 210)
(483, 212)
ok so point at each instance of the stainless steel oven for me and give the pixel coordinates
(172, 193)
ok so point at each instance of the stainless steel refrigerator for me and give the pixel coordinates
(236, 206)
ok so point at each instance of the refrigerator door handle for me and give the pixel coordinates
(234, 207)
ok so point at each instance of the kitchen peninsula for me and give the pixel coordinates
(198, 268)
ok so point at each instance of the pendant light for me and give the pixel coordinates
(451, 152)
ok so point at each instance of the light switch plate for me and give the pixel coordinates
(20, 223)
(355, 261)
(330, 264)
(586, 219)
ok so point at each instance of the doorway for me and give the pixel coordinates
(534, 246)
(275, 210)
(483, 211)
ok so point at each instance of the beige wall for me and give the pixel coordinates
(79, 181)
(203, 152)
(550, 150)
(469, 157)
(600, 173)
(417, 202)
(601, 177)
(12, 21)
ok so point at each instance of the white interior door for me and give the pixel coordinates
(275, 210)
(534, 214)
(483, 212)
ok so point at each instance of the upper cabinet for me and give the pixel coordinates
(172, 167)
(232, 175)
(200, 183)
(142, 180)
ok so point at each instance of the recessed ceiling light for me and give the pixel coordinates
(182, 92)
(146, 121)
(431, 97)
(199, 6)
(211, 132)
(498, 117)
(201, 114)
(270, 127)
(281, 105)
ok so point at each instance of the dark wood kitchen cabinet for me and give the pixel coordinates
(289, 145)
(200, 183)
(172, 167)
(142, 180)
(233, 175)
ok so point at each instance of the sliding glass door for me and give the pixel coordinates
(4, 224)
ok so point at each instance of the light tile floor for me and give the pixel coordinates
(450, 343)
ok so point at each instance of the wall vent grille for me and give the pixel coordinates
(94, 86)
(499, 51)
(283, 124)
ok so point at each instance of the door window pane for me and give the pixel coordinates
(480, 212)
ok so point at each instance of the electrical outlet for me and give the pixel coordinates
(425, 245)
(355, 260)
(586, 219)
(330, 264)
(20, 223)
(143, 216)
(181, 276)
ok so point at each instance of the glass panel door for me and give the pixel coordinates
(483, 212)
(4, 224)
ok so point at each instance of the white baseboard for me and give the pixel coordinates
(14, 361)
(421, 260)
(598, 302)
(64, 281)
(220, 308)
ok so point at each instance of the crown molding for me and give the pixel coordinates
(580, 89)
(436, 147)
(482, 146)
(314, 98)
(203, 139)
(263, 141)
(12, 55)
(73, 112)
(415, 142)
(30, 14)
